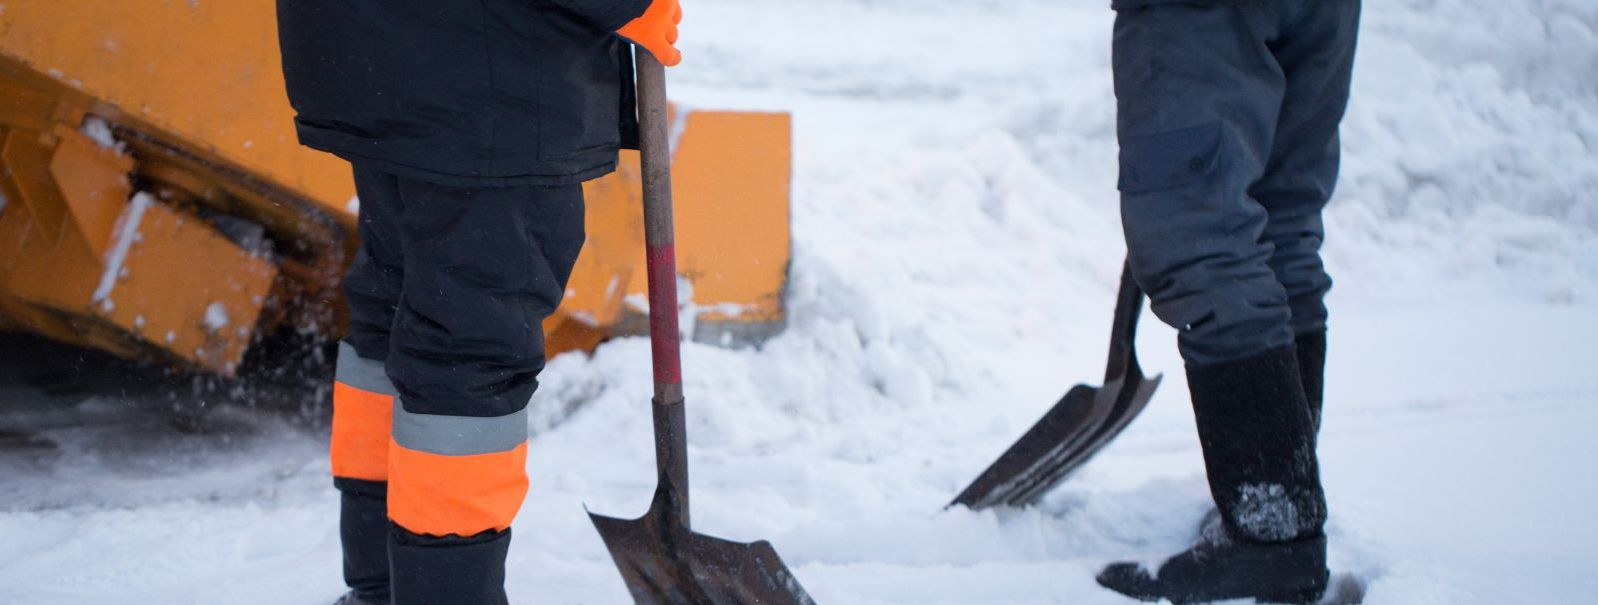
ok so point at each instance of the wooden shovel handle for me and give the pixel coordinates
(659, 234)
(671, 438)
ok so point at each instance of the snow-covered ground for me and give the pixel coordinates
(956, 249)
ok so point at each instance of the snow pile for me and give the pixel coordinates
(1470, 151)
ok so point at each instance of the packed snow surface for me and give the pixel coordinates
(955, 256)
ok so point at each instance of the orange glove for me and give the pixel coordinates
(656, 30)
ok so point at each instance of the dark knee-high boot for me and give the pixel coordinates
(363, 531)
(1312, 370)
(450, 570)
(1311, 349)
(1258, 434)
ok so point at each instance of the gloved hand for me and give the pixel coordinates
(656, 30)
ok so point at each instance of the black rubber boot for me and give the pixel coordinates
(1312, 370)
(1223, 568)
(363, 530)
(1258, 435)
(450, 570)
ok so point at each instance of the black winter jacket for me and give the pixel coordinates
(462, 92)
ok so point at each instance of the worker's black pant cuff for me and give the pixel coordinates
(430, 570)
(363, 529)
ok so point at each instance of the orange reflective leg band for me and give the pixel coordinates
(456, 475)
(363, 402)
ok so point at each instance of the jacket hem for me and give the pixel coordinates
(587, 173)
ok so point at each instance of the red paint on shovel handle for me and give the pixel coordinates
(664, 339)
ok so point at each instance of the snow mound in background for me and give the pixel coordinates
(1471, 151)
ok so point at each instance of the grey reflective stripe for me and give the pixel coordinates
(459, 435)
(361, 373)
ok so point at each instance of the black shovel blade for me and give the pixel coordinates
(1080, 425)
(1129, 401)
(1065, 427)
(1083, 422)
(665, 565)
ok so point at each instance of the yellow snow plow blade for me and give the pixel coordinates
(155, 203)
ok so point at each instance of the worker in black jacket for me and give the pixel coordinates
(471, 127)
(1228, 114)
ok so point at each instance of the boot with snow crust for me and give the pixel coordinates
(1311, 349)
(1258, 436)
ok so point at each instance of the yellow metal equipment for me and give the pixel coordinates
(154, 202)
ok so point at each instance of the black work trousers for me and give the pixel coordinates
(1228, 115)
(447, 298)
(451, 286)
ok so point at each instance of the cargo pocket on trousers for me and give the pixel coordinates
(1170, 159)
(1161, 182)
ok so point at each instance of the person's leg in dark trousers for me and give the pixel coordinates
(362, 394)
(483, 268)
(1317, 59)
(1317, 63)
(1203, 97)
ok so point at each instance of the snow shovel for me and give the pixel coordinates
(1078, 426)
(660, 557)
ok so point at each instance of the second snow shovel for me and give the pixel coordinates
(660, 557)
(1078, 426)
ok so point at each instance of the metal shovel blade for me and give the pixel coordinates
(664, 562)
(1128, 400)
(670, 566)
(1078, 426)
(1063, 429)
